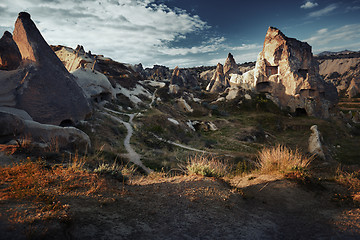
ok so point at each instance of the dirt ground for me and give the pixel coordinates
(194, 207)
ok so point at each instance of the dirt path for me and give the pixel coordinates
(180, 145)
(133, 156)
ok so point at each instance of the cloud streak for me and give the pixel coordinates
(336, 39)
(324, 11)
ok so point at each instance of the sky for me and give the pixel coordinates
(187, 33)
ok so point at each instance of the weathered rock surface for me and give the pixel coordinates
(75, 59)
(40, 135)
(245, 81)
(10, 57)
(158, 72)
(183, 78)
(95, 84)
(230, 66)
(46, 90)
(218, 82)
(343, 70)
(315, 145)
(287, 70)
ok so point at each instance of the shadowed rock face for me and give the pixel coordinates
(183, 78)
(10, 56)
(47, 91)
(287, 70)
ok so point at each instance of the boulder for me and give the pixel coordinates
(47, 91)
(49, 137)
(95, 85)
(287, 70)
(315, 145)
(10, 57)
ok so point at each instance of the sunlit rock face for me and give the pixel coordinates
(230, 66)
(218, 82)
(183, 78)
(287, 71)
(46, 90)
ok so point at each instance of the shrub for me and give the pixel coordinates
(207, 166)
(119, 172)
(282, 159)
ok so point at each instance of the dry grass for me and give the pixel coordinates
(38, 189)
(352, 182)
(207, 166)
(282, 159)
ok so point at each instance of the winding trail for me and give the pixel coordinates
(180, 145)
(133, 156)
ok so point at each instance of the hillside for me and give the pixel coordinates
(260, 150)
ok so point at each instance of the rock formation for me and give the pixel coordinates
(39, 135)
(183, 78)
(287, 71)
(75, 59)
(10, 56)
(45, 89)
(315, 145)
(218, 82)
(230, 66)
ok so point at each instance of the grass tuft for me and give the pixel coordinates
(207, 166)
(282, 159)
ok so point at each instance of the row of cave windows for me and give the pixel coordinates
(272, 70)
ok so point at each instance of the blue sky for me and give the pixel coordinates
(187, 32)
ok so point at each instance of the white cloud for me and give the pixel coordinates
(309, 5)
(126, 30)
(338, 38)
(245, 47)
(323, 11)
(211, 45)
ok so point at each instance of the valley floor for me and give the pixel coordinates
(194, 207)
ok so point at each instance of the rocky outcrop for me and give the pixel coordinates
(48, 137)
(75, 59)
(218, 82)
(287, 71)
(10, 57)
(230, 66)
(183, 78)
(315, 145)
(95, 84)
(158, 72)
(45, 89)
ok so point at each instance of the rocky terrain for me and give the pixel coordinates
(92, 148)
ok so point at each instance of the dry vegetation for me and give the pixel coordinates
(208, 166)
(282, 159)
(36, 190)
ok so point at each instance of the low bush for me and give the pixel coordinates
(207, 166)
(282, 159)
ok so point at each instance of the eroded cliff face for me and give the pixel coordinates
(287, 71)
(41, 86)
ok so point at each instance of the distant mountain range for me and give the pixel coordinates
(341, 54)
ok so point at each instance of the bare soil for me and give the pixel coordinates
(194, 207)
